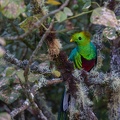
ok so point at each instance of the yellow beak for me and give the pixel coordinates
(71, 40)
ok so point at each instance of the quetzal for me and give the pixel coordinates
(83, 56)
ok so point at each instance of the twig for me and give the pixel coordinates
(95, 3)
(25, 106)
(22, 108)
(32, 91)
(24, 53)
(54, 81)
(22, 39)
(44, 107)
(45, 83)
(22, 64)
(93, 78)
(64, 30)
(36, 50)
(79, 14)
(22, 115)
(38, 23)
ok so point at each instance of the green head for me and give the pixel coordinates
(81, 38)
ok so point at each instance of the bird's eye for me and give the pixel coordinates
(80, 38)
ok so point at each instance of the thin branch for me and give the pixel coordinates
(36, 50)
(83, 13)
(95, 3)
(34, 68)
(30, 96)
(22, 115)
(22, 39)
(93, 78)
(55, 81)
(22, 108)
(38, 23)
(64, 30)
(33, 91)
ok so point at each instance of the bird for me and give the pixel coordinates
(83, 56)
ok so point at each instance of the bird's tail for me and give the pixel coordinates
(63, 114)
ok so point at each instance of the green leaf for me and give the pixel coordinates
(3, 3)
(9, 71)
(86, 1)
(10, 94)
(29, 22)
(6, 81)
(67, 11)
(5, 116)
(60, 16)
(110, 33)
(13, 8)
(86, 6)
(20, 74)
(33, 77)
(104, 16)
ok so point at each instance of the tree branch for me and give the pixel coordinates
(34, 67)
(33, 91)
(38, 23)
(36, 50)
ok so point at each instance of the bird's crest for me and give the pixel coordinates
(86, 33)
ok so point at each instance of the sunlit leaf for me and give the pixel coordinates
(53, 2)
(13, 8)
(20, 74)
(2, 41)
(5, 116)
(68, 11)
(3, 3)
(33, 77)
(56, 73)
(60, 16)
(9, 71)
(86, 5)
(29, 22)
(104, 16)
(2, 52)
(110, 33)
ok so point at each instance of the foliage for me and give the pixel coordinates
(33, 36)
(12, 8)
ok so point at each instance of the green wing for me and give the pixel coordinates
(77, 61)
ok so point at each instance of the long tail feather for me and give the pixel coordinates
(62, 114)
